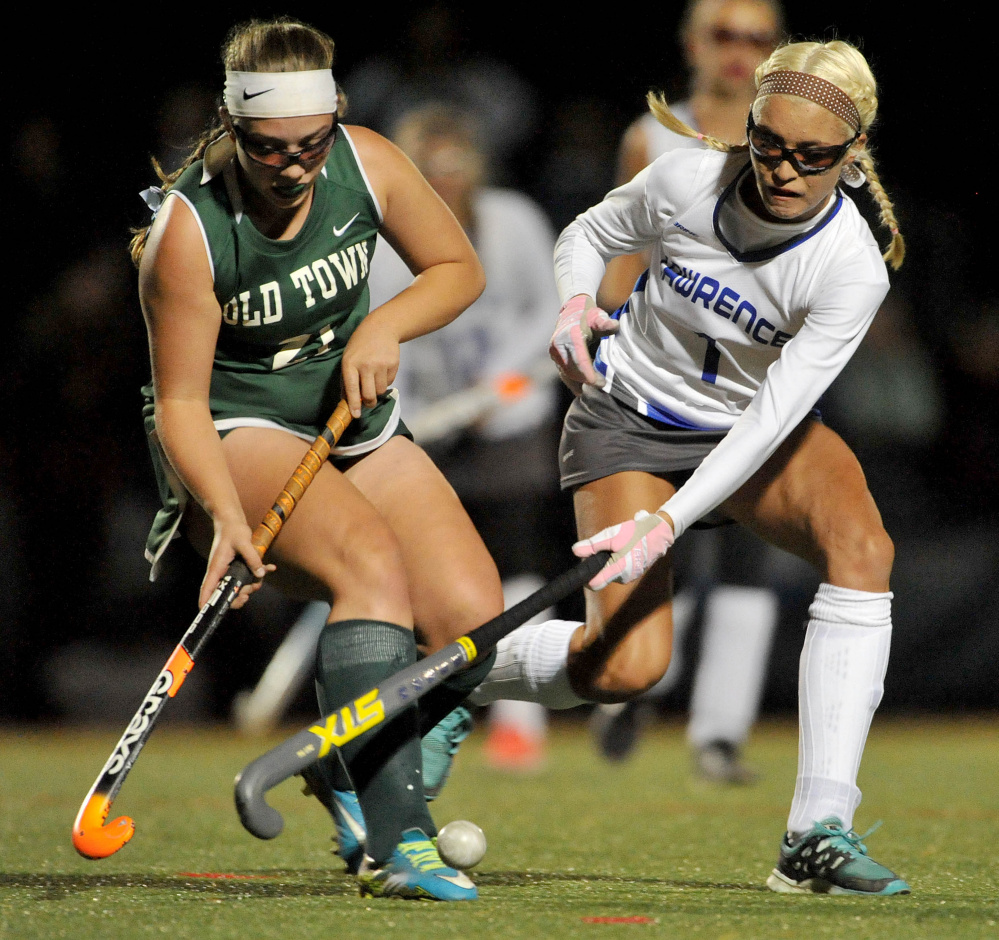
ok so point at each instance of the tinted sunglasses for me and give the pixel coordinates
(280, 159)
(729, 37)
(806, 161)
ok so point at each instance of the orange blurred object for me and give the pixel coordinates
(511, 385)
(509, 749)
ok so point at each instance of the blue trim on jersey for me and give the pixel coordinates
(659, 412)
(598, 363)
(765, 254)
(668, 417)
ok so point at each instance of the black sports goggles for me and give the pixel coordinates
(807, 162)
(279, 159)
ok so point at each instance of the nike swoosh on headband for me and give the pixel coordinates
(339, 231)
(248, 95)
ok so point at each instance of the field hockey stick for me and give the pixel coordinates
(462, 409)
(258, 711)
(382, 702)
(93, 839)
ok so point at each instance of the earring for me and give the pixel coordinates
(852, 175)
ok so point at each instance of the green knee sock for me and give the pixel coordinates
(384, 764)
(453, 691)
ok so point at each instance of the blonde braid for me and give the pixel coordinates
(662, 113)
(895, 254)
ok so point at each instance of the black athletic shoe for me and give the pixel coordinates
(617, 728)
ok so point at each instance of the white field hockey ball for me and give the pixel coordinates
(461, 844)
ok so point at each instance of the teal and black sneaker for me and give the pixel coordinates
(416, 871)
(350, 829)
(829, 859)
(345, 809)
(440, 744)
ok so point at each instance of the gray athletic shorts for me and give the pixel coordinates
(602, 436)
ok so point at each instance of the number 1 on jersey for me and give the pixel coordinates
(712, 357)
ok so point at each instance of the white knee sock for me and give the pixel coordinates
(738, 629)
(529, 718)
(840, 683)
(531, 666)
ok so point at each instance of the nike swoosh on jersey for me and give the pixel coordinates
(256, 94)
(343, 228)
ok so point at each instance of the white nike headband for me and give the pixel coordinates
(280, 94)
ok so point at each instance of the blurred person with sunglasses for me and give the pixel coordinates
(501, 460)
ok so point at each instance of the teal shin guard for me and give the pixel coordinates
(385, 764)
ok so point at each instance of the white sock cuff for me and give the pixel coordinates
(548, 649)
(531, 666)
(847, 607)
(817, 798)
(556, 693)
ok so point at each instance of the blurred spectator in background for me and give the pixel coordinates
(971, 442)
(724, 571)
(36, 198)
(500, 457)
(888, 403)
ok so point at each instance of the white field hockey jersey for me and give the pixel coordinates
(739, 324)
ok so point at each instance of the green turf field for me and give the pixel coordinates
(582, 840)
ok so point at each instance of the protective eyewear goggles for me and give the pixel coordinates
(810, 161)
(280, 159)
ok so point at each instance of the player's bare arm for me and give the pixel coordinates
(182, 319)
(448, 275)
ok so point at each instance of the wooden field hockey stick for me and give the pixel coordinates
(93, 839)
(382, 702)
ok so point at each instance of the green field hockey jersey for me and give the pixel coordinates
(287, 307)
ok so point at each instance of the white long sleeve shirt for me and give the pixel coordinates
(740, 324)
(505, 330)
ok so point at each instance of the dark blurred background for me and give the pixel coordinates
(84, 633)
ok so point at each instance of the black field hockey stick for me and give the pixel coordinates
(381, 703)
(93, 839)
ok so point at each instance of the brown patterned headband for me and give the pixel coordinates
(822, 92)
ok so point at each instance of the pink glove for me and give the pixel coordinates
(636, 545)
(579, 323)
